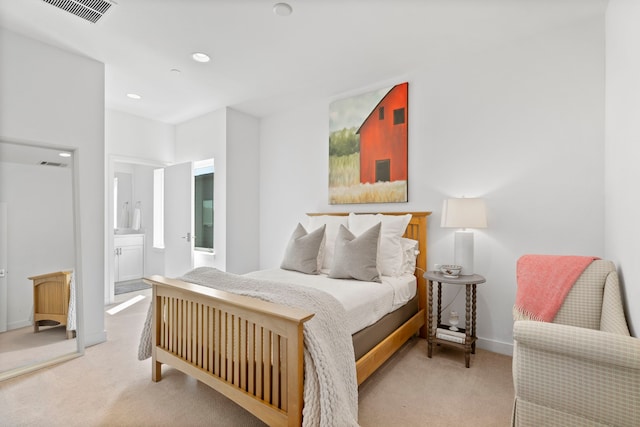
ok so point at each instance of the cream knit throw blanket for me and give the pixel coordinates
(330, 384)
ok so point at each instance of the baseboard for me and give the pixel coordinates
(94, 339)
(495, 346)
(34, 367)
(19, 324)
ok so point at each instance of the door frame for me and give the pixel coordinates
(109, 259)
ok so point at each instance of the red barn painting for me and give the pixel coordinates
(383, 139)
(368, 147)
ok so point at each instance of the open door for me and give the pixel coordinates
(178, 219)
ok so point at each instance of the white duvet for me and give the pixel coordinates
(365, 302)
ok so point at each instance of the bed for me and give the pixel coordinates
(255, 350)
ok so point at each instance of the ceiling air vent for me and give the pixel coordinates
(90, 10)
(60, 165)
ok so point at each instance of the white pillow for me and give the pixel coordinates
(393, 227)
(332, 223)
(410, 252)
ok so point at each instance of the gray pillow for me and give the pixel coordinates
(303, 250)
(355, 257)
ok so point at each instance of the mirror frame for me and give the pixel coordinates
(80, 343)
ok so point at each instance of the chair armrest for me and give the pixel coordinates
(588, 344)
(612, 318)
(578, 371)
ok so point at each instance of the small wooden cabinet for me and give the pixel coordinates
(51, 293)
(129, 257)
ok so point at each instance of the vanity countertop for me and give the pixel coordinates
(127, 232)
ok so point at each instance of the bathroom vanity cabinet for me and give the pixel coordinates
(129, 257)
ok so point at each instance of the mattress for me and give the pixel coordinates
(369, 337)
(365, 302)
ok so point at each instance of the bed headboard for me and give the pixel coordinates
(416, 230)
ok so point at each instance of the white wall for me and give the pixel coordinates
(138, 138)
(204, 138)
(243, 196)
(143, 193)
(623, 150)
(521, 125)
(39, 229)
(61, 104)
(231, 139)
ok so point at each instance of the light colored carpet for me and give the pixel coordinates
(110, 387)
(22, 347)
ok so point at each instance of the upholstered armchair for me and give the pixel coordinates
(582, 369)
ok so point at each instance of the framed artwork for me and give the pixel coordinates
(368, 147)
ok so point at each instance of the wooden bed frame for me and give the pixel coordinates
(251, 350)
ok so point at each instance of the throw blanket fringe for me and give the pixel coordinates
(543, 283)
(330, 384)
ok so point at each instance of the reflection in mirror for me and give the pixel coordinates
(123, 196)
(37, 257)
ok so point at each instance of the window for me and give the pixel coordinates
(398, 116)
(158, 208)
(203, 205)
(381, 113)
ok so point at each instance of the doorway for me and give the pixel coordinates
(189, 230)
(130, 253)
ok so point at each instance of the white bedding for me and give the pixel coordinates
(365, 302)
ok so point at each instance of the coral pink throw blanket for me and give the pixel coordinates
(544, 281)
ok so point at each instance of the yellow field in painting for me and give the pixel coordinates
(344, 171)
(380, 192)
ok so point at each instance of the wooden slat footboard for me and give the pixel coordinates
(251, 350)
(247, 349)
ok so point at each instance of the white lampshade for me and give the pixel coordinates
(464, 213)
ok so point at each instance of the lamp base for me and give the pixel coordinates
(463, 251)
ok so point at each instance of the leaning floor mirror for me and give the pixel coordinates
(38, 259)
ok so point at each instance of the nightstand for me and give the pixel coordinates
(468, 341)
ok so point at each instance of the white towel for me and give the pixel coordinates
(71, 312)
(136, 219)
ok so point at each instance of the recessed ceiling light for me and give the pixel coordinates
(200, 57)
(64, 154)
(134, 96)
(282, 9)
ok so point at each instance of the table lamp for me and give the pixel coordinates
(464, 213)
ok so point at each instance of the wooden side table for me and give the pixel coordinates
(51, 294)
(470, 281)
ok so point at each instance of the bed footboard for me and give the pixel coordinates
(249, 350)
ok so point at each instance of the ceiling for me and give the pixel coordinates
(262, 63)
(34, 155)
